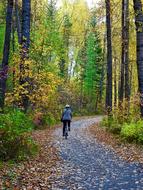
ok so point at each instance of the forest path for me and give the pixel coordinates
(90, 165)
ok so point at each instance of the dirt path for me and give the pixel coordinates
(88, 165)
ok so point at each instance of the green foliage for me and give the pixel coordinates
(15, 122)
(15, 141)
(49, 120)
(133, 131)
(2, 11)
(127, 124)
(90, 67)
(111, 125)
(91, 63)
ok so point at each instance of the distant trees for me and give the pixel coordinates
(94, 62)
(66, 31)
(90, 60)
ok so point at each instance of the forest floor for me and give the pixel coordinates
(91, 159)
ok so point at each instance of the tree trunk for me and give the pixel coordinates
(127, 86)
(124, 77)
(13, 32)
(26, 15)
(6, 51)
(103, 72)
(115, 82)
(109, 59)
(139, 34)
(18, 22)
(26, 11)
(101, 84)
(81, 96)
(131, 76)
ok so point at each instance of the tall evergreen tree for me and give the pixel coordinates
(65, 49)
(80, 68)
(51, 25)
(93, 69)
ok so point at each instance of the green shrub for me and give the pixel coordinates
(133, 132)
(111, 125)
(15, 142)
(49, 120)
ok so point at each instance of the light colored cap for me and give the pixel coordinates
(67, 106)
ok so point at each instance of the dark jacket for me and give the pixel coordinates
(67, 114)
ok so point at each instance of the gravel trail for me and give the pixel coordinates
(90, 165)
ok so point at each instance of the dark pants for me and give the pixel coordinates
(65, 123)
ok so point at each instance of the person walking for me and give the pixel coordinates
(66, 118)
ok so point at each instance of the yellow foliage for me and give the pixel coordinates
(41, 87)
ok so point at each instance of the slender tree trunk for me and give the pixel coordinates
(34, 17)
(6, 51)
(101, 84)
(103, 72)
(127, 86)
(139, 34)
(122, 74)
(127, 78)
(13, 31)
(115, 82)
(96, 102)
(125, 54)
(109, 59)
(18, 22)
(62, 67)
(81, 96)
(26, 11)
(131, 75)
(26, 15)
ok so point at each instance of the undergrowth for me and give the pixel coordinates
(128, 125)
(15, 136)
